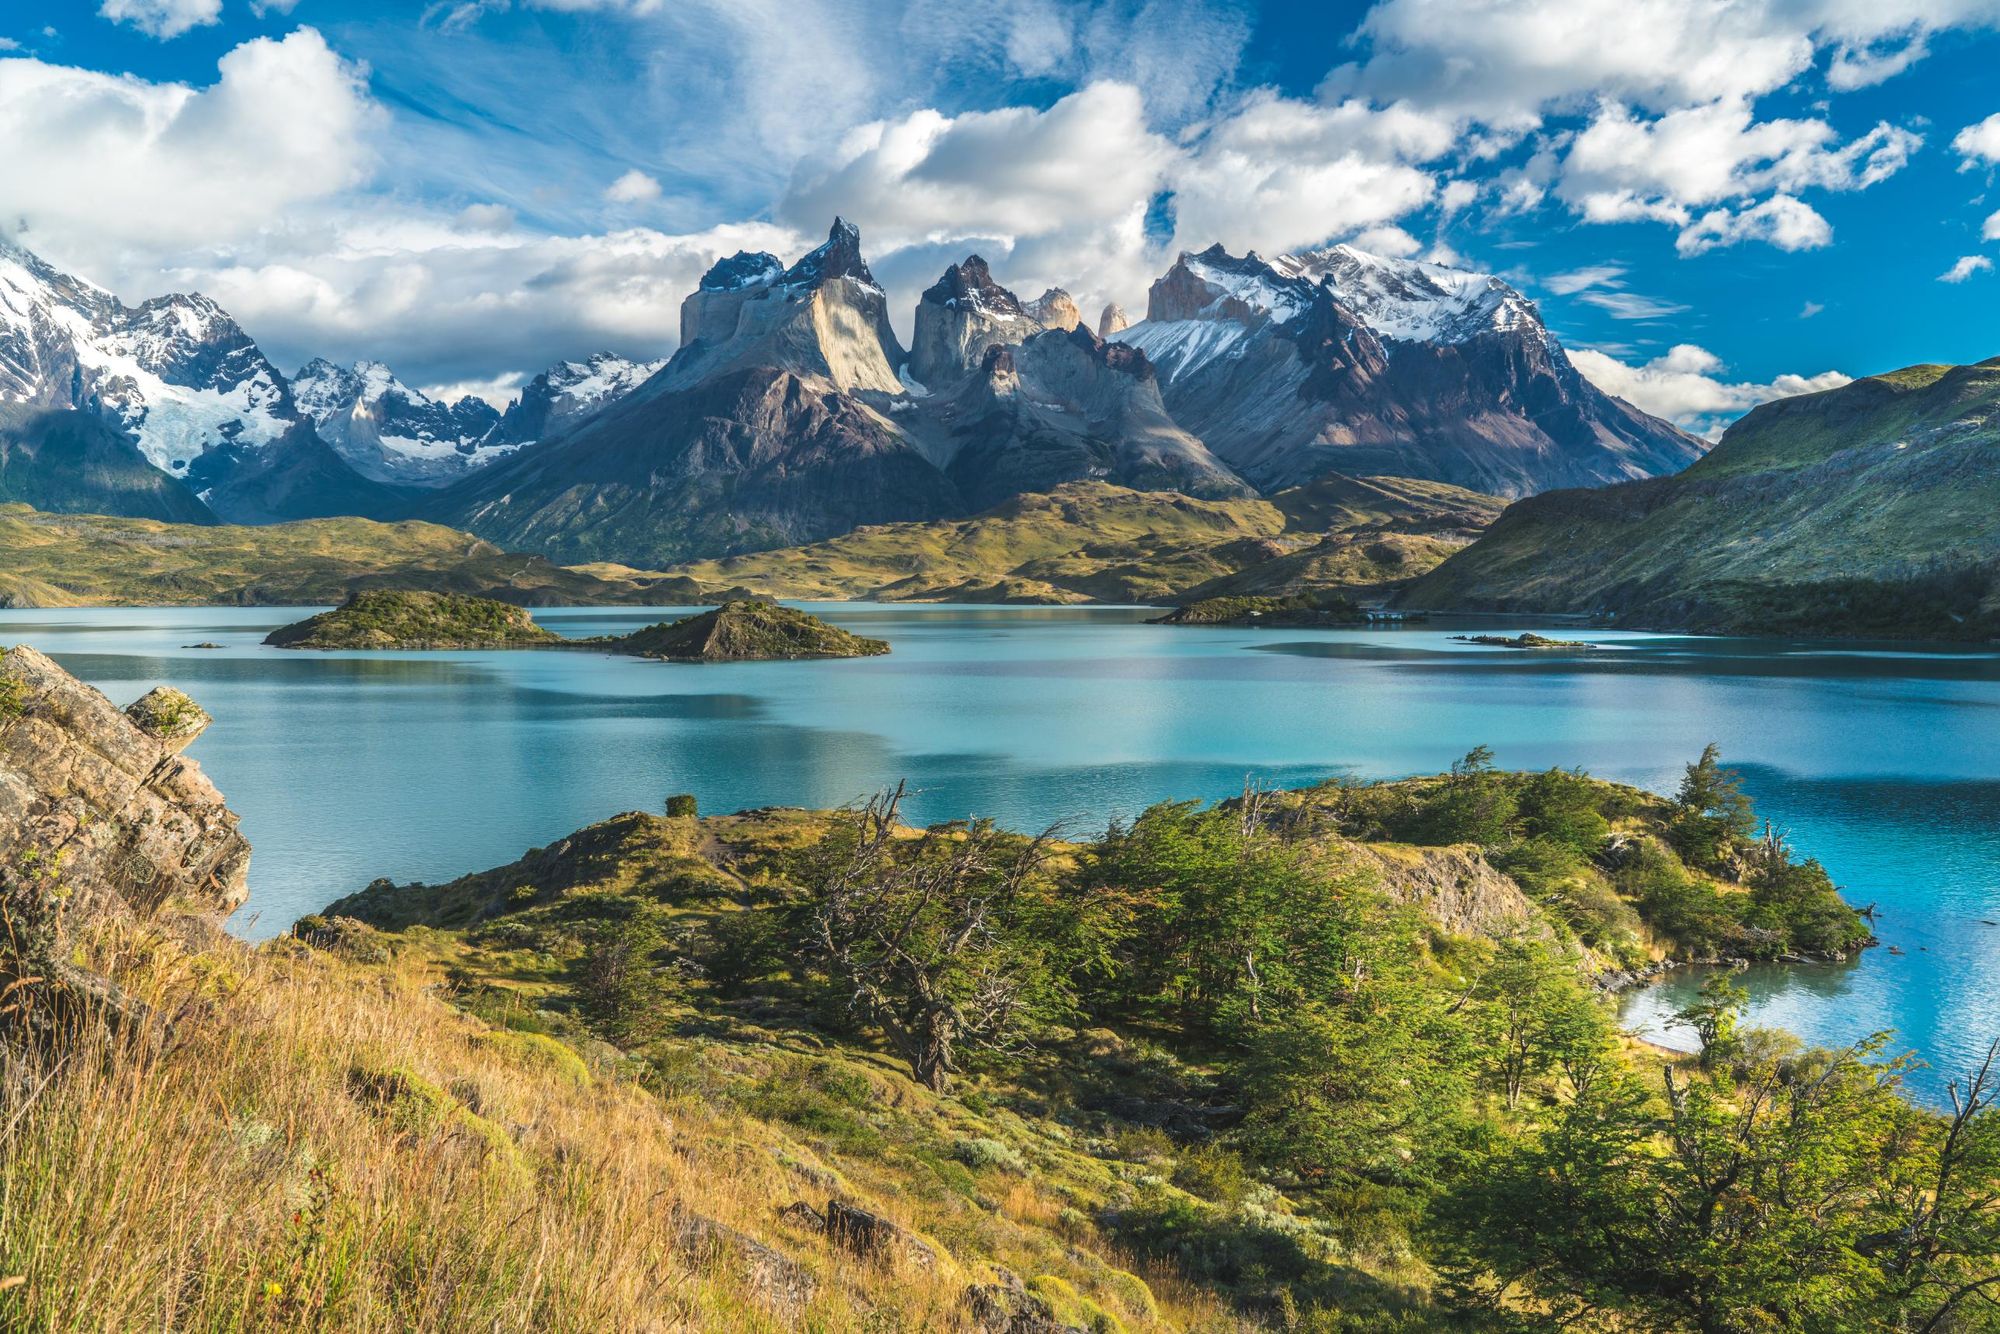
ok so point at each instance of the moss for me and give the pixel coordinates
(13, 698)
(538, 1053)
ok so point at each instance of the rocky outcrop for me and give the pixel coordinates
(1054, 309)
(1456, 887)
(965, 314)
(1112, 321)
(101, 818)
(1064, 406)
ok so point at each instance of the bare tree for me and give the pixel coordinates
(931, 934)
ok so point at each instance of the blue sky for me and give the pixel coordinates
(1713, 200)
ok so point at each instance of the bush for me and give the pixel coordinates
(682, 806)
(1213, 1173)
(980, 1154)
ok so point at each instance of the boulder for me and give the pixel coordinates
(780, 1280)
(102, 817)
(865, 1234)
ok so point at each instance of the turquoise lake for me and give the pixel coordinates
(1882, 761)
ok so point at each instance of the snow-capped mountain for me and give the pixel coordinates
(390, 432)
(180, 381)
(175, 373)
(1338, 360)
(566, 394)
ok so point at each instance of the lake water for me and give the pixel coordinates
(1882, 761)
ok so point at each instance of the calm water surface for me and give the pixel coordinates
(1883, 762)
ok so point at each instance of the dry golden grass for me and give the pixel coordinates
(326, 1145)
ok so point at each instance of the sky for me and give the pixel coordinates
(1713, 201)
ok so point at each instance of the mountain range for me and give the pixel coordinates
(791, 413)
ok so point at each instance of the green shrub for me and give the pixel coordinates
(1214, 1173)
(980, 1154)
(682, 806)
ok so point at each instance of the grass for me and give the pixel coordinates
(325, 1145)
(65, 560)
(1093, 542)
(403, 619)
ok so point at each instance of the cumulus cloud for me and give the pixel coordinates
(1782, 221)
(163, 18)
(1623, 167)
(634, 187)
(1991, 231)
(1685, 386)
(1979, 144)
(1967, 266)
(106, 167)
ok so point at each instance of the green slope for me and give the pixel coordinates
(61, 560)
(1873, 509)
(1093, 542)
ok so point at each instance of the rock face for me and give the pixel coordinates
(393, 619)
(101, 815)
(63, 461)
(1338, 360)
(966, 312)
(746, 630)
(1113, 321)
(772, 425)
(1065, 406)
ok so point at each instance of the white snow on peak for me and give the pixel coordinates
(1413, 302)
(1179, 348)
(1272, 288)
(603, 375)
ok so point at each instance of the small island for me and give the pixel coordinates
(1526, 639)
(742, 630)
(1299, 611)
(387, 618)
(745, 630)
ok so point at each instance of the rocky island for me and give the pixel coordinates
(1526, 639)
(1300, 611)
(395, 619)
(740, 630)
(745, 630)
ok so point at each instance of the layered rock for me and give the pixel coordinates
(1341, 361)
(102, 817)
(1064, 407)
(966, 312)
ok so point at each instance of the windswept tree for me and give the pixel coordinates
(1711, 817)
(945, 939)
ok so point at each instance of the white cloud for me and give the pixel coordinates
(1967, 266)
(1810, 309)
(1623, 167)
(1991, 231)
(1632, 306)
(634, 187)
(1979, 143)
(1583, 279)
(1685, 387)
(108, 168)
(1782, 221)
(1391, 241)
(162, 18)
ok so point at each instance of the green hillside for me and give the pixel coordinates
(1872, 509)
(1093, 542)
(63, 560)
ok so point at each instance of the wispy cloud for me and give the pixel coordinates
(1632, 306)
(1967, 266)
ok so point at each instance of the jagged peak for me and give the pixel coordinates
(970, 282)
(745, 268)
(839, 257)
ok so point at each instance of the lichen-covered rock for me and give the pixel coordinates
(100, 814)
(169, 717)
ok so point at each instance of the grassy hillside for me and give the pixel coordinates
(1321, 1060)
(1092, 542)
(385, 618)
(1864, 510)
(60, 560)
